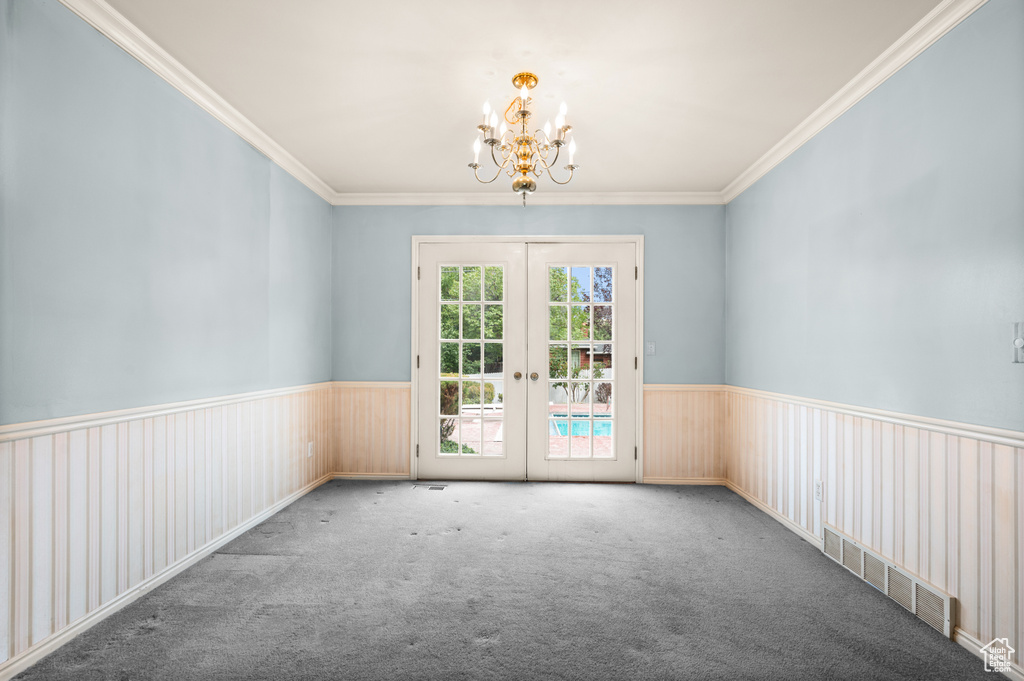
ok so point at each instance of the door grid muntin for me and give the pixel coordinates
(469, 407)
(581, 362)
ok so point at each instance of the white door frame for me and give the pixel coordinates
(637, 239)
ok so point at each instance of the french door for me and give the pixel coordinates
(527, 365)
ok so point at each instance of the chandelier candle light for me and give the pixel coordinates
(524, 155)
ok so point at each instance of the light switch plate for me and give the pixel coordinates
(650, 348)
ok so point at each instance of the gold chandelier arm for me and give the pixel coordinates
(504, 165)
(505, 149)
(500, 165)
(549, 165)
(572, 168)
(543, 152)
(476, 172)
(538, 159)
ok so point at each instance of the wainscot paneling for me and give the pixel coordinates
(683, 434)
(101, 508)
(104, 507)
(942, 500)
(372, 422)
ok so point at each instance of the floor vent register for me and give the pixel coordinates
(931, 605)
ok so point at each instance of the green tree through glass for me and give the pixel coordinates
(457, 290)
(560, 281)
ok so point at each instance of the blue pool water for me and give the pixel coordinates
(581, 428)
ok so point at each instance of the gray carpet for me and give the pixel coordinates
(389, 580)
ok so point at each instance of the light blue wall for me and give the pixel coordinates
(882, 264)
(684, 282)
(147, 253)
(300, 283)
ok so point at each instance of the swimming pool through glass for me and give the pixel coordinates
(580, 428)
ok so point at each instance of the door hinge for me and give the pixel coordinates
(417, 361)
(634, 452)
(636, 273)
(636, 363)
(417, 451)
(417, 274)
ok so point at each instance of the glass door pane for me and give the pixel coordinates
(586, 295)
(470, 408)
(465, 298)
(580, 426)
(526, 361)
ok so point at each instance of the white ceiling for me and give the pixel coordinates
(665, 96)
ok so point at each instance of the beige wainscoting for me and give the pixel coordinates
(105, 507)
(372, 425)
(101, 508)
(943, 500)
(683, 434)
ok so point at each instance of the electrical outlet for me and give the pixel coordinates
(649, 348)
(1018, 343)
(309, 451)
(819, 491)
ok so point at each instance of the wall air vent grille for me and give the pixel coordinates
(931, 605)
(852, 557)
(901, 589)
(874, 572)
(833, 546)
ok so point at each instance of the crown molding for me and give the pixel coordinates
(933, 26)
(104, 18)
(111, 23)
(541, 198)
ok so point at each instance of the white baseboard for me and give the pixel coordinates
(801, 532)
(371, 476)
(29, 657)
(974, 645)
(683, 481)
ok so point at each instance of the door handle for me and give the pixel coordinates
(534, 376)
(517, 375)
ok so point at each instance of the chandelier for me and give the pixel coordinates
(524, 155)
